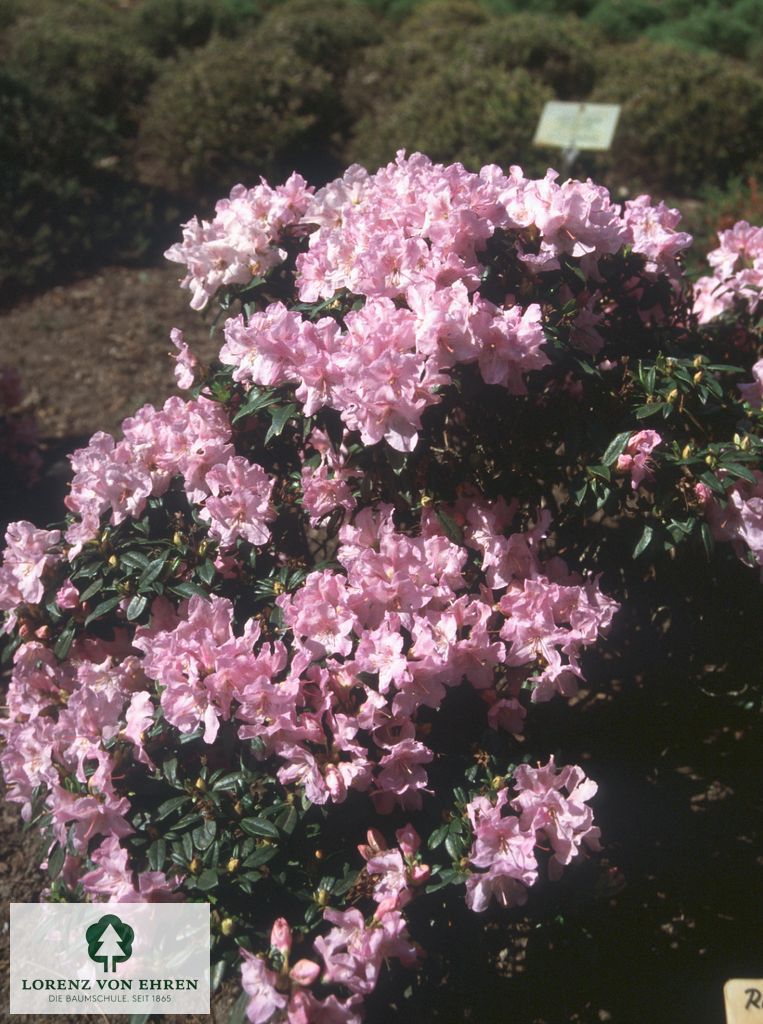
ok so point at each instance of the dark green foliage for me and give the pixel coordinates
(624, 20)
(473, 115)
(233, 111)
(734, 31)
(58, 208)
(688, 119)
(80, 54)
(562, 56)
(329, 35)
(166, 26)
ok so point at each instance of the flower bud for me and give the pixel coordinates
(304, 972)
(280, 936)
(227, 926)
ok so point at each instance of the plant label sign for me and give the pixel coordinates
(744, 1000)
(577, 126)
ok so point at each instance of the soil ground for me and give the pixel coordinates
(647, 931)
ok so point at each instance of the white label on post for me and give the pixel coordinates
(577, 125)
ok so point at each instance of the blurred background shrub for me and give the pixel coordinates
(234, 110)
(60, 205)
(687, 120)
(471, 114)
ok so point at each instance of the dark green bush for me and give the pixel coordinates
(166, 26)
(431, 38)
(561, 52)
(232, 111)
(475, 115)
(732, 32)
(80, 54)
(625, 20)
(553, 7)
(688, 119)
(329, 35)
(58, 209)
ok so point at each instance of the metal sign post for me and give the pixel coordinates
(574, 127)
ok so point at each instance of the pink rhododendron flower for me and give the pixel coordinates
(26, 559)
(635, 459)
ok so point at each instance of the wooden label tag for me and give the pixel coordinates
(744, 1000)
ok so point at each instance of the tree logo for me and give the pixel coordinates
(109, 939)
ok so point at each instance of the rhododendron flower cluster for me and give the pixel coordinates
(635, 458)
(282, 652)
(737, 279)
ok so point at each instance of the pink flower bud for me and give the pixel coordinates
(67, 596)
(280, 936)
(304, 972)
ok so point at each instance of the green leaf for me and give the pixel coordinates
(256, 400)
(207, 880)
(136, 607)
(169, 771)
(713, 483)
(644, 411)
(140, 1018)
(287, 820)
(603, 472)
(280, 417)
(260, 856)
(228, 780)
(206, 571)
(447, 877)
(644, 542)
(455, 846)
(133, 560)
(103, 608)
(204, 835)
(157, 852)
(259, 827)
(188, 589)
(615, 448)
(217, 974)
(56, 861)
(735, 469)
(92, 590)
(164, 810)
(238, 1012)
(707, 539)
(64, 642)
(153, 571)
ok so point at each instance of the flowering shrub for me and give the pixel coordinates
(325, 590)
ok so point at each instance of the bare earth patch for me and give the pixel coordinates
(93, 352)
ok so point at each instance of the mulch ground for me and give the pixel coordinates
(648, 930)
